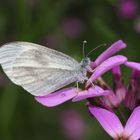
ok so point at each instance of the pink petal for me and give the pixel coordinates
(117, 72)
(106, 66)
(57, 97)
(111, 100)
(135, 135)
(132, 127)
(114, 48)
(120, 88)
(131, 96)
(108, 120)
(91, 92)
(133, 65)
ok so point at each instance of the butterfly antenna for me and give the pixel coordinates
(102, 45)
(84, 42)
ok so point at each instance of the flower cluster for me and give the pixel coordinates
(127, 9)
(103, 100)
(73, 125)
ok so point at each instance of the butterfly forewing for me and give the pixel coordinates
(8, 54)
(36, 68)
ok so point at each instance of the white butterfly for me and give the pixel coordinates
(40, 70)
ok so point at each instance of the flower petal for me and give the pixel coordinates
(135, 135)
(120, 88)
(108, 120)
(132, 127)
(57, 97)
(114, 48)
(133, 65)
(106, 66)
(91, 92)
(131, 99)
(111, 100)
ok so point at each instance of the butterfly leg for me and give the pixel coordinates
(90, 69)
(77, 87)
(91, 83)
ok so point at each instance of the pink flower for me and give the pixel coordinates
(101, 65)
(113, 126)
(72, 27)
(73, 125)
(127, 8)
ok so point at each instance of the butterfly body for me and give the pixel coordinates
(40, 70)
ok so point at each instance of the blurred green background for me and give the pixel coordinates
(61, 25)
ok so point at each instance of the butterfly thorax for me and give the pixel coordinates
(84, 65)
(85, 62)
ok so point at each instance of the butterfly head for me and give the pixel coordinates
(85, 62)
(82, 76)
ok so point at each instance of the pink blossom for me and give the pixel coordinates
(127, 8)
(113, 126)
(73, 125)
(101, 65)
(72, 27)
(104, 63)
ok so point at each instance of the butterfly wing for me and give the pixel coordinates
(36, 68)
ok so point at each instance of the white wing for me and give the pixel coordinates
(36, 68)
